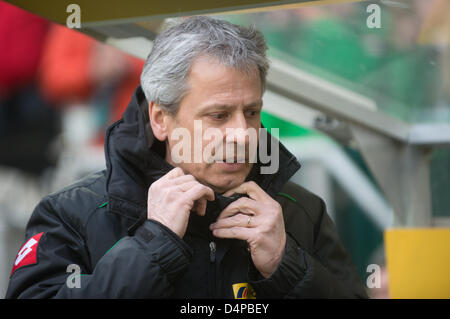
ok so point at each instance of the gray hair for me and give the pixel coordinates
(164, 76)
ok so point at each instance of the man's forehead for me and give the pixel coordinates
(214, 86)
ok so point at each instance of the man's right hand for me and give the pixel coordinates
(172, 197)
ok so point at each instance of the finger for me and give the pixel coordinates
(241, 220)
(185, 186)
(198, 191)
(251, 189)
(240, 189)
(242, 205)
(176, 172)
(242, 233)
(182, 179)
(200, 206)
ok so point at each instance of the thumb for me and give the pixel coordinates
(200, 206)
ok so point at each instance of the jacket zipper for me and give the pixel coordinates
(212, 261)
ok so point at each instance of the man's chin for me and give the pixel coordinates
(221, 185)
(221, 177)
(230, 175)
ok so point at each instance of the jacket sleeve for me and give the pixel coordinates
(140, 266)
(325, 272)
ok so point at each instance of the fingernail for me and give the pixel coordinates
(211, 227)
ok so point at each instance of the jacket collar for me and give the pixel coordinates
(134, 160)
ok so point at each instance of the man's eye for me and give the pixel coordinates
(218, 116)
(253, 113)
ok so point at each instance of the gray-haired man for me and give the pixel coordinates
(164, 221)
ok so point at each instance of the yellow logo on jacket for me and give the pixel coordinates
(243, 290)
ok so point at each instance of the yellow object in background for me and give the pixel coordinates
(418, 262)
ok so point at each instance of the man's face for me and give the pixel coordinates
(224, 100)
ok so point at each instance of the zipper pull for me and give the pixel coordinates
(212, 251)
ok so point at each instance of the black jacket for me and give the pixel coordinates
(99, 223)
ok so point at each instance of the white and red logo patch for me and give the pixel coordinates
(27, 255)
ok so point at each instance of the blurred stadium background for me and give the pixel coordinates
(60, 89)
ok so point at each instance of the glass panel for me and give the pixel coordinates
(395, 52)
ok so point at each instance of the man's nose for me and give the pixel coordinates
(238, 129)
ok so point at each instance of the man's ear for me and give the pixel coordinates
(158, 121)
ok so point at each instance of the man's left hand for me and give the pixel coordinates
(257, 220)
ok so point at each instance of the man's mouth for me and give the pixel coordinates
(231, 167)
(233, 160)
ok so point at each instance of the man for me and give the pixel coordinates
(159, 222)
